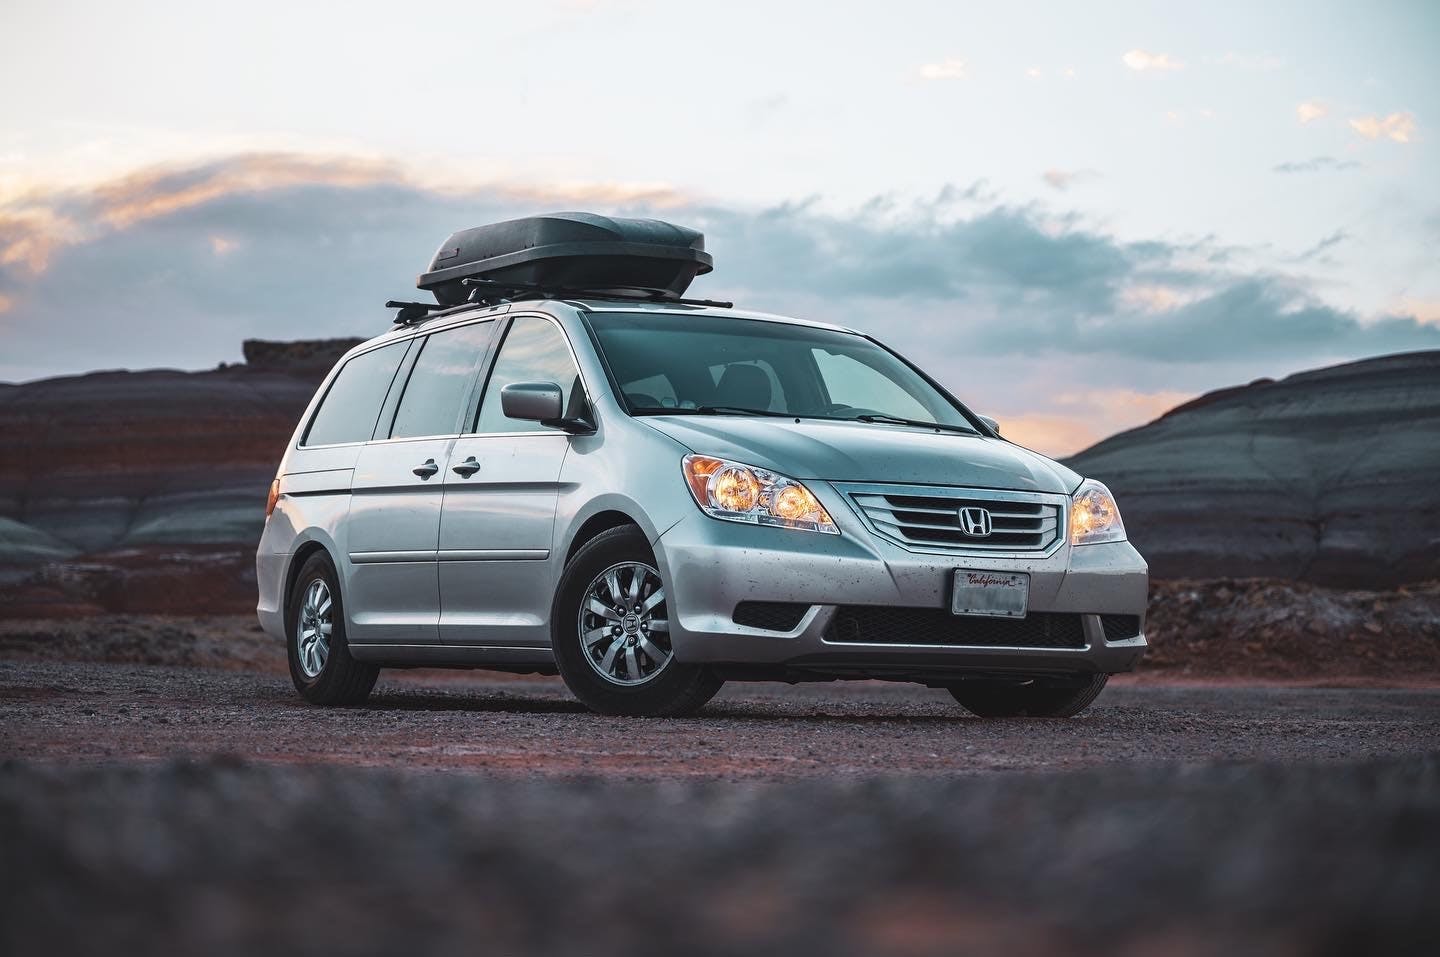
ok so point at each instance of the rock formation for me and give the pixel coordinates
(1330, 476)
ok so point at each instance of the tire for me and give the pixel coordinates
(1029, 699)
(339, 678)
(637, 684)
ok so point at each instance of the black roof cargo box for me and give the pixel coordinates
(570, 251)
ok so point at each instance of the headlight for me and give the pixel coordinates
(1094, 518)
(743, 493)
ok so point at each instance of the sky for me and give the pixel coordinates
(1076, 216)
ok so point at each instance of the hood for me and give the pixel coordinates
(863, 452)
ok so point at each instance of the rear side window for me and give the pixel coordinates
(349, 410)
(440, 381)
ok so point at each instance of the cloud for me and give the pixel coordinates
(1329, 242)
(1051, 303)
(1318, 164)
(1399, 127)
(1140, 61)
(1062, 179)
(1154, 297)
(1310, 110)
(1426, 311)
(950, 69)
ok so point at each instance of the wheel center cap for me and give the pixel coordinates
(631, 624)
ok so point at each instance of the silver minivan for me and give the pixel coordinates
(650, 498)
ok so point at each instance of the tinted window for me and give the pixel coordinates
(855, 385)
(748, 385)
(349, 410)
(534, 351)
(725, 361)
(439, 383)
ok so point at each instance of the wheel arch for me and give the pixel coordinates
(297, 561)
(600, 522)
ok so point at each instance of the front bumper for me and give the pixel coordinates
(712, 566)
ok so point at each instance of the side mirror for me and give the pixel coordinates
(994, 426)
(533, 401)
(541, 402)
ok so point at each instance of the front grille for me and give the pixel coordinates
(881, 624)
(1120, 627)
(770, 615)
(928, 519)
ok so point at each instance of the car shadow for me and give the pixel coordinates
(766, 712)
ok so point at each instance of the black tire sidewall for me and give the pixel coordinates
(342, 679)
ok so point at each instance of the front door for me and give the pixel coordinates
(394, 523)
(501, 492)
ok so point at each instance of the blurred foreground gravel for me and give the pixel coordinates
(160, 810)
(224, 857)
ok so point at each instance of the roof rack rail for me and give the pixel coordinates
(486, 291)
(413, 312)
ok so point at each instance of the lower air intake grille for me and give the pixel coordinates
(879, 624)
(770, 615)
(1120, 627)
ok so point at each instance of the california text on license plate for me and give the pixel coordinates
(990, 594)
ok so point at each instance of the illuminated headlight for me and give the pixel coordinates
(1094, 518)
(743, 493)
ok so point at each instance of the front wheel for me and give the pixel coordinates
(1029, 699)
(610, 631)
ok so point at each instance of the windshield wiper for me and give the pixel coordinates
(739, 410)
(897, 420)
(707, 410)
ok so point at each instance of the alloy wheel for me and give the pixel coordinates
(623, 626)
(313, 628)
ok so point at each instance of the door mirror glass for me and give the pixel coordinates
(532, 401)
(994, 426)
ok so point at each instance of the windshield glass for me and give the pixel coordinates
(674, 364)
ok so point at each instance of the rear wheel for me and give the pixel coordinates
(1029, 699)
(320, 662)
(610, 630)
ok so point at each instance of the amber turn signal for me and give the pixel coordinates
(274, 497)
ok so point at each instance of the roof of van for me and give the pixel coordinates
(600, 306)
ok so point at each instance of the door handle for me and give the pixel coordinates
(467, 468)
(426, 470)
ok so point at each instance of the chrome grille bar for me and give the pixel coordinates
(928, 519)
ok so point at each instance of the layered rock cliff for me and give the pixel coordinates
(124, 461)
(1330, 476)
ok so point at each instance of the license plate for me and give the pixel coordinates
(990, 594)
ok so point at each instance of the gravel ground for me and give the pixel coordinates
(154, 809)
(98, 713)
(230, 858)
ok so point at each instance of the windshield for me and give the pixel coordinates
(677, 364)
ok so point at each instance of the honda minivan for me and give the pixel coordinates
(650, 495)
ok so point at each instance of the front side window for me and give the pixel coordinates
(352, 404)
(731, 365)
(439, 383)
(534, 350)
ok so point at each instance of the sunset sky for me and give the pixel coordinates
(1075, 215)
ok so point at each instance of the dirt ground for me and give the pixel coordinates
(164, 790)
(162, 809)
(74, 712)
